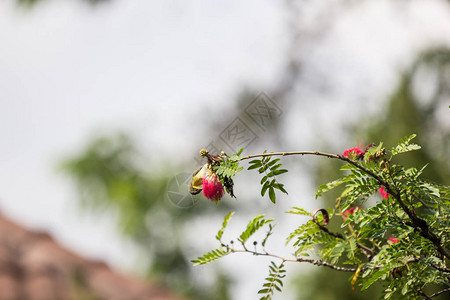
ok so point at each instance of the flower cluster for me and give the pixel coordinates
(354, 153)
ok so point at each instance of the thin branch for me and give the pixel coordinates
(447, 270)
(325, 264)
(311, 261)
(318, 153)
(422, 293)
(440, 292)
(300, 259)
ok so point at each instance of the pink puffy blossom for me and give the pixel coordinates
(354, 153)
(212, 187)
(350, 211)
(393, 240)
(383, 193)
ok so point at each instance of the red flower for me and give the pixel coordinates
(354, 153)
(212, 187)
(393, 240)
(383, 193)
(350, 211)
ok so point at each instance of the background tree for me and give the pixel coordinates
(405, 112)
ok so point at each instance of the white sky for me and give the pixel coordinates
(68, 71)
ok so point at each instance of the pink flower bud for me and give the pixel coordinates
(212, 187)
(383, 193)
(393, 240)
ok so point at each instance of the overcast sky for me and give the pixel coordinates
(68, 70)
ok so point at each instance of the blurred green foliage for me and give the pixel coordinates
(111, 175)
(405, 114)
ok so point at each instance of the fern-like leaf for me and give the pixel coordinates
(210, 256)
(273, 281)
(405, 146)
(224, 225)
(254, 225)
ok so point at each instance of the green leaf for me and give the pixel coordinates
(405, 146)
(263, 168)
(272, 194)
(275, 167)
(276, 172)
(263, 179)
(280, 187)
(240, 151)
(210, 256)
(374, 278)
(337, 251)
(432, 190)
(264, 188)
(268, 233)
(271, 163)
(351, 246)
(224, 225)
(254, 164)
(371, 151)
(380, 273)
(254, 225)
(329, 186)
(299, 211)
(273, 281)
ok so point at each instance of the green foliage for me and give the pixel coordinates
(405, 146)
(299, 211)
(401, 241)
(224, 225)
(229, 167)
(268, 234)
(271, 168)
(225, 249)
(400, 116)
(254, 225)
(210, 256)
(273, 281)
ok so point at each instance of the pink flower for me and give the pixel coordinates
(393, 240)
(383, 193)
(354, 153)
(212, 187)
(350, 211)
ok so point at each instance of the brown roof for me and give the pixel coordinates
(35, 267)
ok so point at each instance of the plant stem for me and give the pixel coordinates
(300, 259)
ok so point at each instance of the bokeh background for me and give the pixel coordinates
(106, 103)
